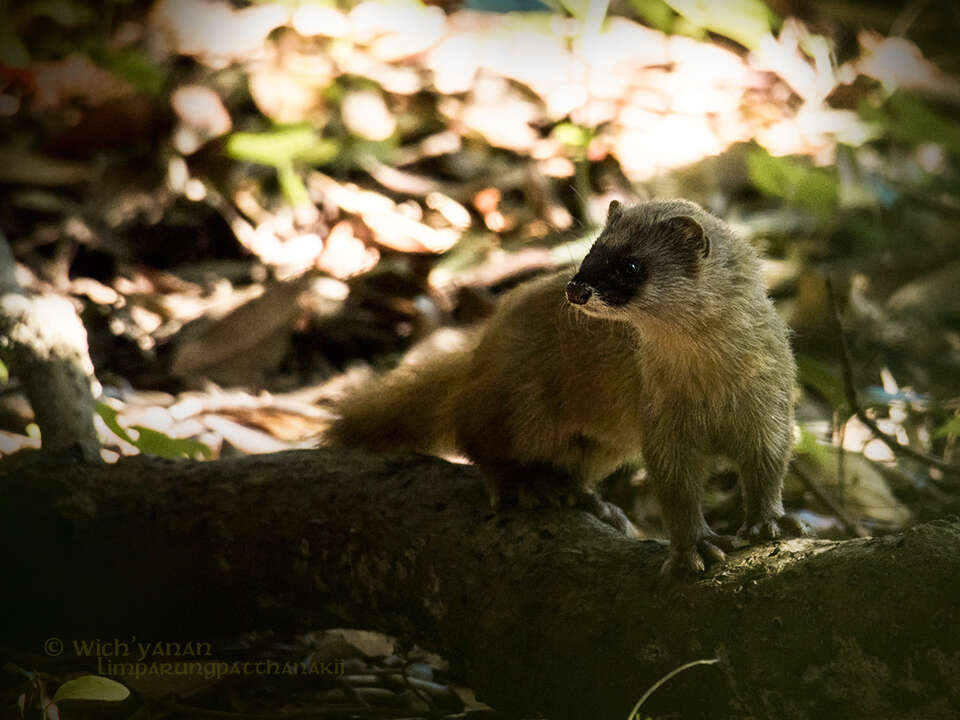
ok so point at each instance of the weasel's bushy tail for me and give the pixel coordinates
(410, 408)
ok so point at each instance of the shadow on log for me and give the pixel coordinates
(548, 610)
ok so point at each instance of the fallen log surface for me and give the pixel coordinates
(545, 611)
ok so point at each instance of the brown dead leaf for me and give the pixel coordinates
(487, 200)
(76, 77)
(241, 347)
(864, 489)
(245, 439)
(285, 426)
(390, 226)
(348, 643)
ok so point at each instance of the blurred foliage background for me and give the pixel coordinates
(256, 205)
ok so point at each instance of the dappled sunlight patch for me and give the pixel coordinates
(395, 31)
(344, 254)
(214, 31)
(390, 226)
(898, 63)
(366, 115)
(202, 117)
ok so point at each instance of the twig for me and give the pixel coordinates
(419, 692)
(853, 527)
(853, 401)
(351, 692)
(635, 713)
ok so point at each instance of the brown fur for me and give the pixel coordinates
(696, 364)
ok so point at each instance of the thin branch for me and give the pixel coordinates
(635, 713)
(851, 393)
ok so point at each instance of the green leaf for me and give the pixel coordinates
(154, 442)
(573, 135)
(109, 416)
(655, 13)
(135, 66)
(909, 119)
(92, 687)
(746, 21)
(950, 427)
(590, 12)
(823, 380)
(815, 189)
(809, 444)
(4, 374)
(294, 191)
(281, 146)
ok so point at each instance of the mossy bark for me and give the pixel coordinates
(543, 610)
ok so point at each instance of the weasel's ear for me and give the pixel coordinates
(690, 232)
(614, 211)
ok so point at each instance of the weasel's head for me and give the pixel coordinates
(646, 264)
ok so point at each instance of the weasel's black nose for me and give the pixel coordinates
(578, 293)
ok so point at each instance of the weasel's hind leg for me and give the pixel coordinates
(533, 485)
(610, 513)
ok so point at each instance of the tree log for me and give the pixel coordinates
(546, 610)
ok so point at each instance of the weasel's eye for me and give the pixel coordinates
(633, 272)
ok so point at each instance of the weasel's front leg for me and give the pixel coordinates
(761, 482)
(678, 480)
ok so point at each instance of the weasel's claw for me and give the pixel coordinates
(607, 512)
(615, 517)
(694, 559)
(773, 528)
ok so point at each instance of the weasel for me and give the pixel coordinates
(663, 345)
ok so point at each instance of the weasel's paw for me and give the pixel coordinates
(616, 518)
(698, 557)
(773, 528)
(608, 512)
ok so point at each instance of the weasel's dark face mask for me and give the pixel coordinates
(616, 278)
(637, 256)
